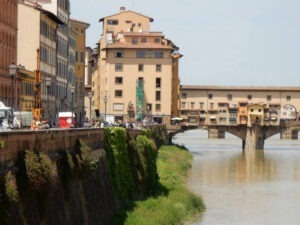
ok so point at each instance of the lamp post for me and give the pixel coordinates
(48, 84)
(72, 89)
(90, 95)
(12, 73)
(105, 103)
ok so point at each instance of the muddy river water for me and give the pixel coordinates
(244, 188)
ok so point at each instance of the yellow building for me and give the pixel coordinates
(79, 28)
(255, 114)
(137, 76)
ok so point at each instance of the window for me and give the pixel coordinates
(82, 57)
(252, 110)
(112, 22)
(119, 80)
(183, 105)
(229, 97)
(149, 107)
(118, 106)
(156, 40)
(119, 54)
(149, 54)
(210, 96)
(288, 98)
(141, 54)
(157, 96)
(211, 105)
(157, 107)
(192, 105)
(134, 41)
(158, 67)
(144, 40)
(249, 97)
(184, 95)
(118, 93)
(269, 97)
(119, 67)
(158, 82)
(141, 67)
(158, 54)
(201, 105)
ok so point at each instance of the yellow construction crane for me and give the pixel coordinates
(37, 104)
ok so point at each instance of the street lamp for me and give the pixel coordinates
(12, 73)
(72, 89)
(48, 84)
(105, 103)
(90, 95)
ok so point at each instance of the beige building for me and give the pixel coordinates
(137, 71)
(39, 32)
(208, 105)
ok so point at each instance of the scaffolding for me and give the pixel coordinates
(139, 99)
(37, 104)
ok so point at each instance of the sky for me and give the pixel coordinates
(223, 42)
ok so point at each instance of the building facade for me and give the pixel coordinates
(137, 71)
(37, 50)
(79, 28)
(217, 105)
(8, 51)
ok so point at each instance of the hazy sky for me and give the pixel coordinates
(223, 42)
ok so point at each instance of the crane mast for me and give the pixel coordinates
(37, 104)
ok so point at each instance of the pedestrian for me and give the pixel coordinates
(34, 125)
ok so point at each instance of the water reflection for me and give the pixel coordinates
(245, 188)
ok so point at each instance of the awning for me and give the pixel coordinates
(177, 118)
(212, 117)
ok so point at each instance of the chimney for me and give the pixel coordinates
(122, 9)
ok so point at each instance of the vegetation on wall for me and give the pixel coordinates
(117, 156)
(11, 189)
(147, 153)
(1, 144)
(158, 134)
(38, 169)
(175, 204)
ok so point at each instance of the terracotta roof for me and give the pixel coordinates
(239, 88)
(148, 34)
(137, 46)
(125, 11)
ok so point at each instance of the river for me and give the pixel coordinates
(242, 188)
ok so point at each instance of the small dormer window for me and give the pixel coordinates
(156, 40)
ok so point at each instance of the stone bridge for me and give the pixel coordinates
(253, 137)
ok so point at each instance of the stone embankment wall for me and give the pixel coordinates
(57, 177)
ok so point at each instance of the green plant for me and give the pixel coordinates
(11, 189)
(147, 152)
(119, 164)
(1, 144)
(38, 169)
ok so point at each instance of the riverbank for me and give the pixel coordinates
(174, 203)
